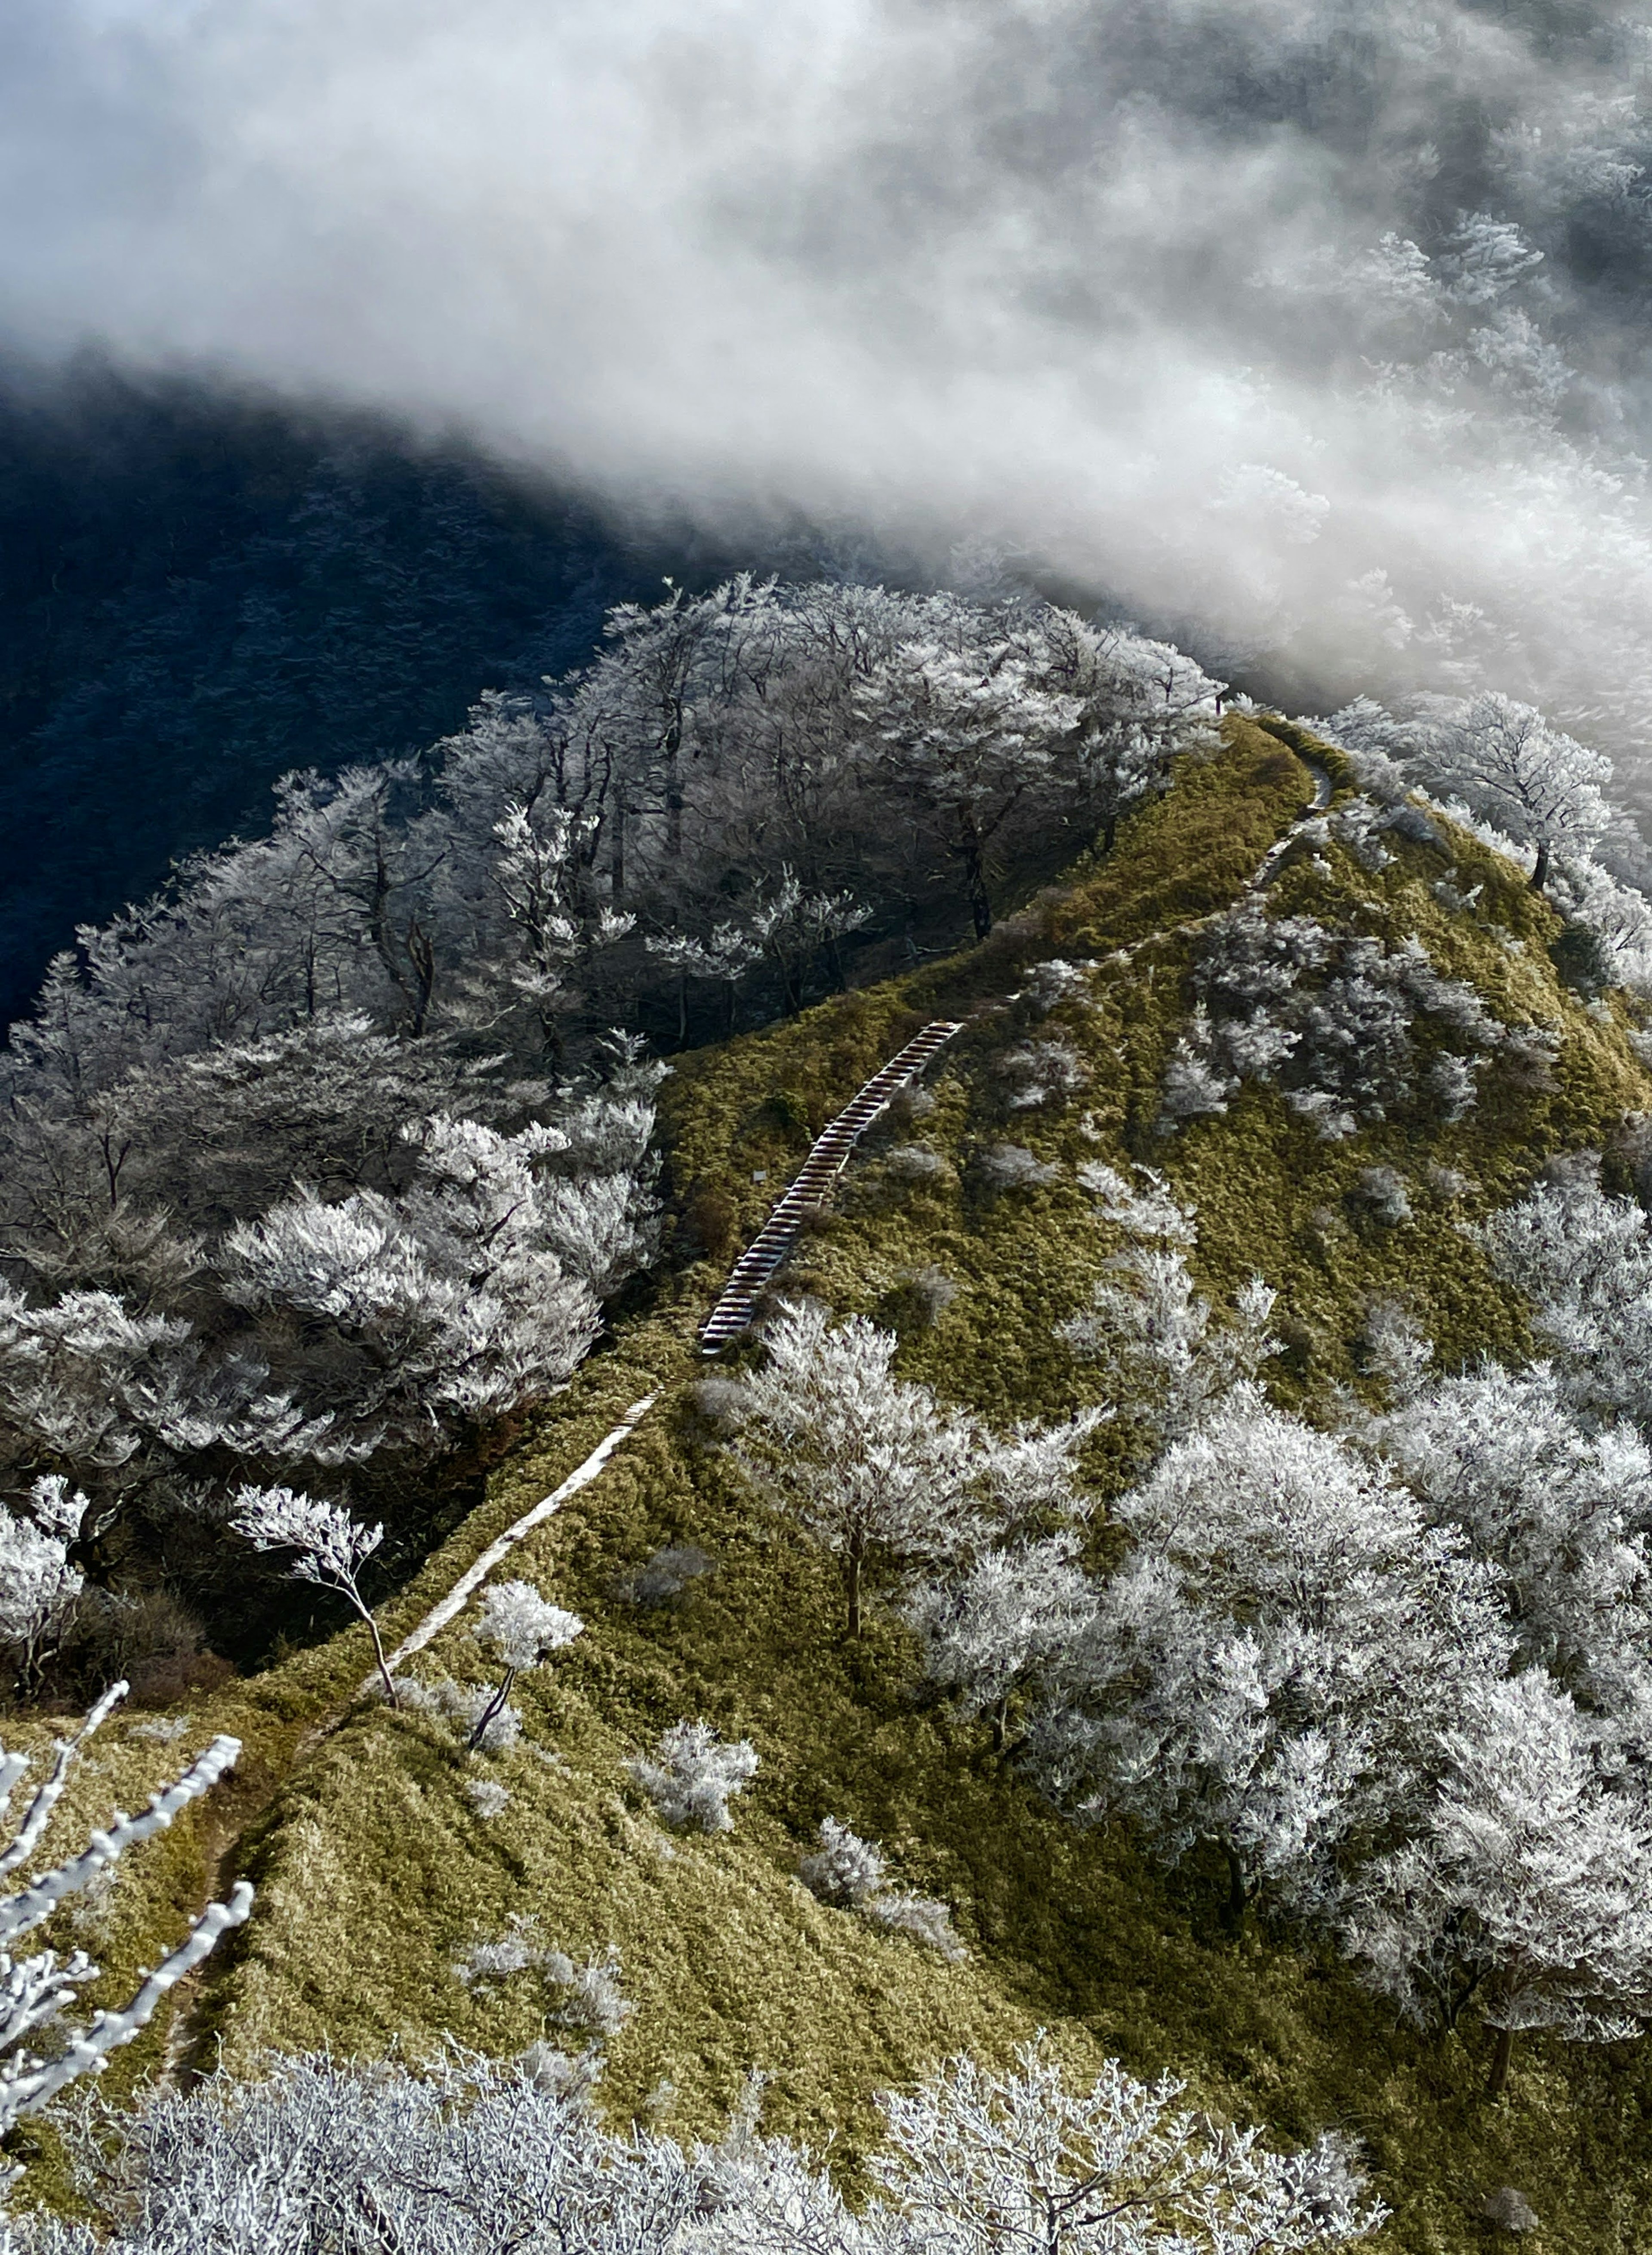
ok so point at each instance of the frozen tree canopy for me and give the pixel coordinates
(1269, 1668)
(466, 2155)
(870, 1465)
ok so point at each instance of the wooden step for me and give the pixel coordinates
(828, 1155)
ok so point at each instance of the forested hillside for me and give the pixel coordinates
(1169, 1569)
(202, 590)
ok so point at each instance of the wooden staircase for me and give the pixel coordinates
(826, 1160)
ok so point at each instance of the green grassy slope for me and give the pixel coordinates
(374, 1873)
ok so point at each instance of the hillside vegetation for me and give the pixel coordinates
(377, 1875)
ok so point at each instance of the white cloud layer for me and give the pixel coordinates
(1104, 283)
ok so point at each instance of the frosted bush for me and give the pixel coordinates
(1530, 1054)
(487, 1796)
(1194, 1088)
(926, 1920)
(692, 1776)
(465, 1706)
(666, 1575)
(592, 2003)
(1358, 824)
(989, 1631)
(1451, 1081)
(586, 1999)
(1327, 1016)
(1383, 1190)
(851, 1873)
(162, 1728)
(1040, 1071)
(1151, 1211)
(845, 1869)
(1047, 984)
(37, 1591)
(914, 1163)
(1012, 1166)
(517, 1948)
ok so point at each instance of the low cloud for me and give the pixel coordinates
(1185, 304)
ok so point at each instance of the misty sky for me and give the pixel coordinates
(1232, 315)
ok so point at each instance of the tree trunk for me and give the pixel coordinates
(421, 953)
(851, 1578)
(385, 1677)
(1238, 1895)
(1540, 873)
(674, 795)
(1500, 2057)
(1109, 832)
(617, 859)
(981, 907)
(490, 1710)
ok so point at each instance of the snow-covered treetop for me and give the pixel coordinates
(522, 1627)
(329, 1544)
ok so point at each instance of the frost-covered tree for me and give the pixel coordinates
(522, 1629)
(791, 927)
(725, 955)
(694, 1775)
(1163, 1353)
(473, 1292)
(1140, 702)
(870, 1466)
(991, 1630)
(38, 1584)
(970, 733)
(844, 1868)
(1561, 1508)
(1016, 2164)
(466, 2155)
(1271, 1667)
(329, 1548)
(1526, 1892)
(1584, 1261)
(36, 1991)
(556, 927)
(1537, 786)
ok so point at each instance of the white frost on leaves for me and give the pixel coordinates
(694, 1775)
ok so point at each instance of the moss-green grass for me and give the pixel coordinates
(375, 1874)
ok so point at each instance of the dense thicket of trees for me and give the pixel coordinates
(1391, 1666)
(470, 2156)
(319, 1165)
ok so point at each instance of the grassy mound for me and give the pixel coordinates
(376, 1872)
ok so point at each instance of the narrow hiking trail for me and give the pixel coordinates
(1266, 869)
(731, 1316)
